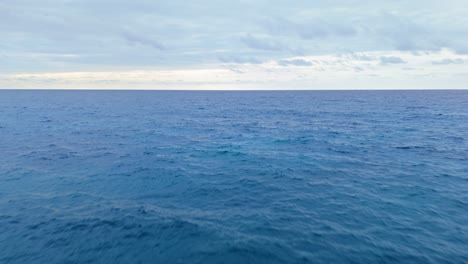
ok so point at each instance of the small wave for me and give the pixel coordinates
(409, 147)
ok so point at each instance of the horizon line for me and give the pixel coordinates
(228, 90)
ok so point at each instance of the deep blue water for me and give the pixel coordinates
(233, 177)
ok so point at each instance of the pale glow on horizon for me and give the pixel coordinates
(363, 70)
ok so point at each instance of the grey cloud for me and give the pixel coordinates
(363, 57)
(391, 60)
(406, 33)
(383, 31)
(238, 59)
(448, 61)
(463, 49)
(295, 62)
(261, 44)
(309, 29)
(320, 29)
(234, 69)
(143, 40)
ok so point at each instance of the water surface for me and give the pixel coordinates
(234, 177)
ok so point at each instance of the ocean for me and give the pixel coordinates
(233, 177)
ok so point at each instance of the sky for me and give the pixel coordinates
(243, 44)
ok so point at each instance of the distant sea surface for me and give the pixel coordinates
(233, 177)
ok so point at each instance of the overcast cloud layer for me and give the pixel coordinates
(244, 44)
